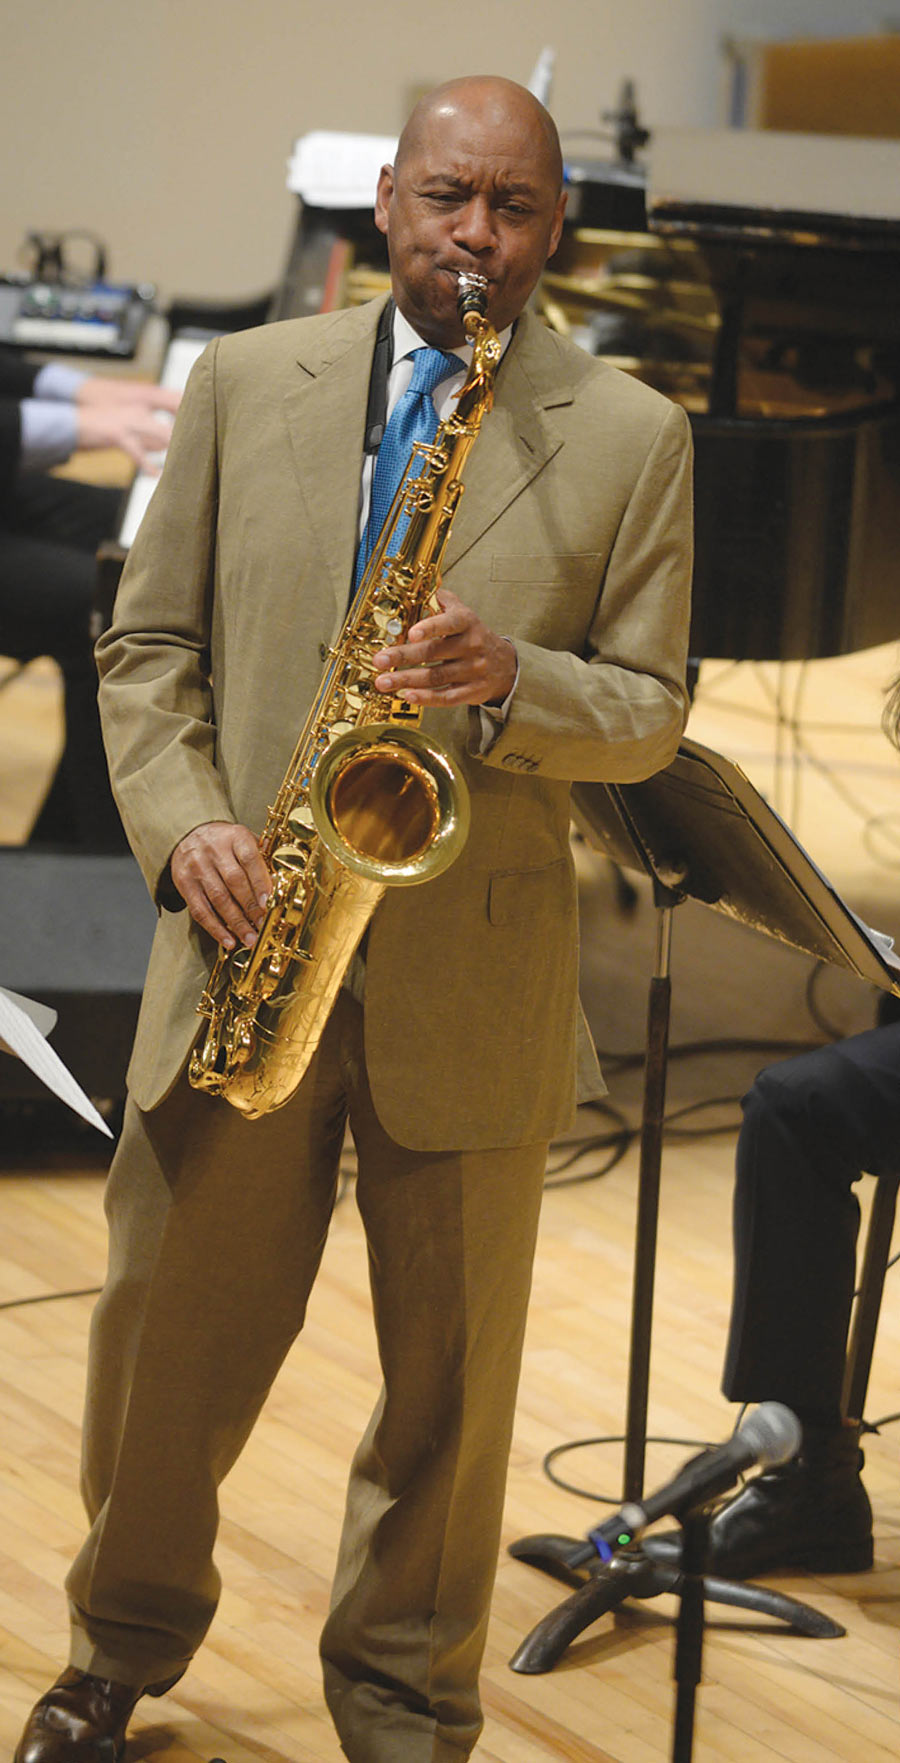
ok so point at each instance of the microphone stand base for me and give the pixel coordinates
(603, 1586)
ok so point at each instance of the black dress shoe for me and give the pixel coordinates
(813, 1513)
(82, 1719)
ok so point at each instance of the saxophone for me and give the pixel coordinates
(367, 801)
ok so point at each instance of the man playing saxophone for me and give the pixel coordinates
(454, 1047)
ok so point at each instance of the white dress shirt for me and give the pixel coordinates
(406, 341)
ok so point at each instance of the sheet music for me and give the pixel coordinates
(181, 354)
(702, 816)
(23, 1025)
(883, 942)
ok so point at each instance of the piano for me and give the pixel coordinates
(753, 277)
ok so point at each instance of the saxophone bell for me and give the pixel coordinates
(390, 804)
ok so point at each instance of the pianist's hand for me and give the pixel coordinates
(129, 414)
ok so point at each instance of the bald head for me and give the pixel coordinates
(476, 185)
(499, 105)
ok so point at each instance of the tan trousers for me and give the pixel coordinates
(216, 1227)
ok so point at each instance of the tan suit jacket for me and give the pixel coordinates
(573, 538)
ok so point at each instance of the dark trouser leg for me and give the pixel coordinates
(451, 1242)
(217, 1225)
(62, 511)
(811, 1127)
(49, 532)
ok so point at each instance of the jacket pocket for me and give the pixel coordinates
(575, 569)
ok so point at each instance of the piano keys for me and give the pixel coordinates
(182, 350)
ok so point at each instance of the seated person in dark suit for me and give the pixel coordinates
(50, 529)
(812, 1126)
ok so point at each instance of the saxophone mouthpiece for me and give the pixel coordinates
(472, 293)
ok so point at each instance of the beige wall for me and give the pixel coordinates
(165, 125)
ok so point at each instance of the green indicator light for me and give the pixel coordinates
(623, 1538)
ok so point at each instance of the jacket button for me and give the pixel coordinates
(323, 651)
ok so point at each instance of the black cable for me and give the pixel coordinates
(882, 824)
(791, 721)
(618, 1062)
(50, 1297)
(610, 1439)
(670, 1130)
(554, 1179)
(829, 1029)
(572, 1151)
(619, 1141)
(876, 1425)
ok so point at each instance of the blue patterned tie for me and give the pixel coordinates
(413, 418)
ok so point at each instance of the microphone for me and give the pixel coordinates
(771, 1436)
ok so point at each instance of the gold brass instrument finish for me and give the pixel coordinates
(367, 801)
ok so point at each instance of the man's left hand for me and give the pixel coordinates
(448, 658)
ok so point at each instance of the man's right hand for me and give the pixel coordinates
(220, 874)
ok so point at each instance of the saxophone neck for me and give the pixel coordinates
(477, 393)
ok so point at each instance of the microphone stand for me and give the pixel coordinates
(602, 1586)
(689, 1630)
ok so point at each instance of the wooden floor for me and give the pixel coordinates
(254, 1691)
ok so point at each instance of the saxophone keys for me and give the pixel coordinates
(301, 824)
(291, 860)
(243, 1044)
(202, 1060)
(386, 621)
(268, 976)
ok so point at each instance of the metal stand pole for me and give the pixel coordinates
(689, 1631)
(654, 1108)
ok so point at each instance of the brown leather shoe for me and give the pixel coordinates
(82, 1719)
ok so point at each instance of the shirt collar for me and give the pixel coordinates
(406, 340)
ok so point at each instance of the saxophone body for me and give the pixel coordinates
(367, 801)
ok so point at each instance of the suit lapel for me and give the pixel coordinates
(518, 436)
(325, 409)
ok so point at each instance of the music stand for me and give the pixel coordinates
(699, 830)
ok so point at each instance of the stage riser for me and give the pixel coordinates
(75, 933)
